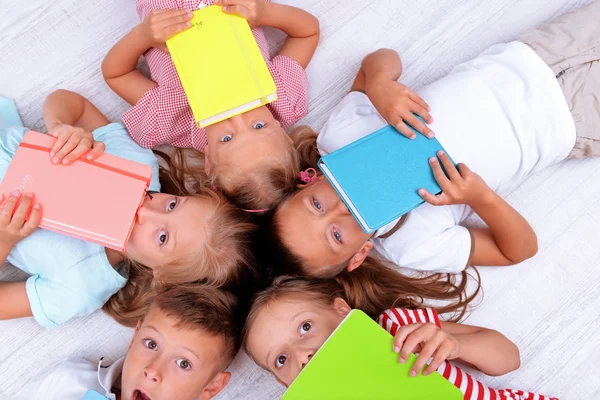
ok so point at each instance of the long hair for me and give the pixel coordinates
(223, 259)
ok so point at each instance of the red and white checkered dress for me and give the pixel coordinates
(163, 114)
(472, 389)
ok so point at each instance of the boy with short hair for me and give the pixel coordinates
(181, 349)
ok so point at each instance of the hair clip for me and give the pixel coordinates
(306, 177)
(255, 211)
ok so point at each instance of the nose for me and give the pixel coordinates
(306, 358)
(153, 374)
(340, 208)
(145, 214)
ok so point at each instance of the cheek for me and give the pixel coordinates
(187, 385)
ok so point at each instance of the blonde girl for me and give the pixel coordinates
(176, 238)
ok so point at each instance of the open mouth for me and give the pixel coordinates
(139, 395)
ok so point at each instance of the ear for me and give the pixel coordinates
(358, 258)
(137, 328)
(206, 161)
(341, 307)
(305, 185)
(215, 385)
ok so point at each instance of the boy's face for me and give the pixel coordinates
(165, 362)
(288, 332)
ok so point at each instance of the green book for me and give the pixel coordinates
(358, 362)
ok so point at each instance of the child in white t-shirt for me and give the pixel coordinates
(514, 110)
(182, 346)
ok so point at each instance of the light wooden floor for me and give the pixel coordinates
(548, 305)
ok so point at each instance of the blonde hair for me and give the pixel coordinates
(223, 259)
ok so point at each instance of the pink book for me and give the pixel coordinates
(96, 201)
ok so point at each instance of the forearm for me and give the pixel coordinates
(487, 350)
(63, 107)
(294, 22)
(513, 235)
(381, 64)
(4, 252)
(119, 66)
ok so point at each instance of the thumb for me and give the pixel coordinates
(237, 10)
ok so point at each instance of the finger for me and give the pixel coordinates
(237, 10)
(18, 218)
(82, 148)
(9, 207)
(438, 173)
(440, 356)
(417, 99)
(97, 150)
(173, 30)
(419, 126)
(174, 20)
(413, 339)
(424, 355)
(421, 112)
(448, 166)
(161, 15)
(60, 142)
(66, 149)
(231, 2)
(33, 221)
(404, 129)
(1, 198)
(463, 169)
(401, 336)
(439, 200)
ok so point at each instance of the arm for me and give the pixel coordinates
(71, 118)
(14, 302)
(508, 240)
(377, 78)
(119, 65)
(302, 28)
(484, 349)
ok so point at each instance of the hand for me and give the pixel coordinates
(429, 341)
(398, 104)
(160, 25)
(463, 187)
(252, 10)
(73, 142)
(13, 227)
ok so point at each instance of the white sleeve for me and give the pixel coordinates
(352, 119)
(429, 240)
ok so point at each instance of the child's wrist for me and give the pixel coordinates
(138, 34)
(485, 199)
(267, 17)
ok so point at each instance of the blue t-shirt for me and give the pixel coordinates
(69, 277)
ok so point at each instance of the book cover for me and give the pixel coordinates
(96, 201)
(358, 362)
(220, 66)
(378, 176)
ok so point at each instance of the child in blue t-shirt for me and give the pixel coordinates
(174, 239)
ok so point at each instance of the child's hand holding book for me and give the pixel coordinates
(251, 10)
(73, 142)
(161, 25)
(16, 225)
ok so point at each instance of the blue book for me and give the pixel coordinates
(379, 175)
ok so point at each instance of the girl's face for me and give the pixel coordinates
(317, 226)
(245, 141)
(287, 332)
(168, 228)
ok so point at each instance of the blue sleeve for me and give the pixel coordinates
(119, 143)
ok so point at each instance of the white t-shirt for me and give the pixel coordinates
(72, 379)
(503, 114)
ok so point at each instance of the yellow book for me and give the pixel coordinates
(220, 66)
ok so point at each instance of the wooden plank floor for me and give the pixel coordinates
(548, 305)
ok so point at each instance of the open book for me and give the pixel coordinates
(96, 201)
(358, 362)
(220, 66)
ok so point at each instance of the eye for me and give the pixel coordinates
(280, 361)
(317, 205)
(305, 327)
(162, 238)
(226, 138)
(259, 125)
(172, 204)
(150, 344)
(337, 236)
(183, 363)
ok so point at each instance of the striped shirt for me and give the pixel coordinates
(471, 388)
(163, 114)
